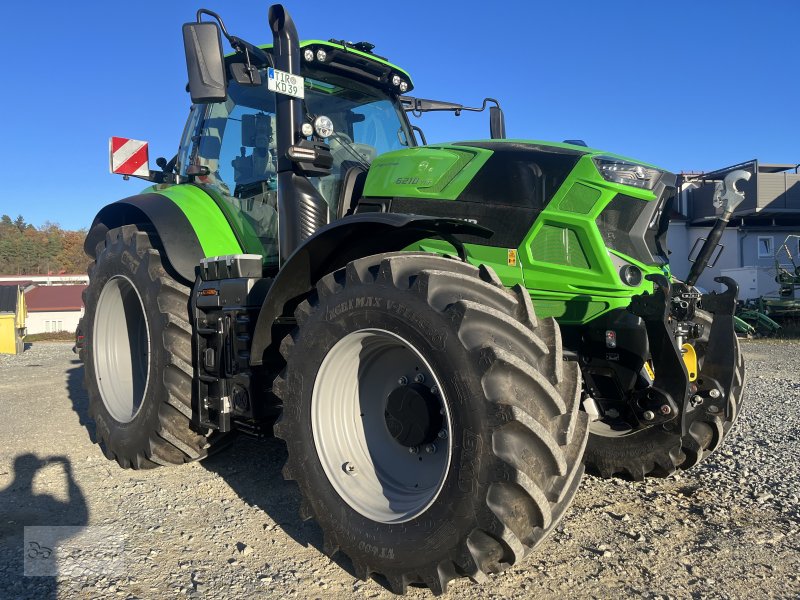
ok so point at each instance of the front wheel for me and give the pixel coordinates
(431, 423)
(137, 355)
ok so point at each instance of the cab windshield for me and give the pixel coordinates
(235, 140)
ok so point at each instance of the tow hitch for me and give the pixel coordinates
(669, 317)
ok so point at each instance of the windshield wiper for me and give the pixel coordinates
(348, 145)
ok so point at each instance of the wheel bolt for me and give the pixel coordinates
(714, 393)
(443, 434)
(696, 400)
(419, 378)
(349, 468)
(430, 448)
(665, 409)
(649, 415)
(413, 450)
(713, 409)
(435, 391)
(403, 380)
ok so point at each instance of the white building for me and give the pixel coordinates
(54, 308)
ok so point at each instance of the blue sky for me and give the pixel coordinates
(686, 85)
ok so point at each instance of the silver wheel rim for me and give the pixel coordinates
(610, 428)
(373, 473)
(121, 348)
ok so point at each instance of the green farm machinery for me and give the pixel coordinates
(446, 336)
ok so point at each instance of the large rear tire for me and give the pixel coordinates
(658, 452)
(432, 425)
(137, 355)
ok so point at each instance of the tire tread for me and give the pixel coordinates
(522, 373)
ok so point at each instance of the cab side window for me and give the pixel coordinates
(235, 142)
(247, 155)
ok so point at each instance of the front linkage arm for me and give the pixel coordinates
(719, 366)
(662, 401)
(673, 393)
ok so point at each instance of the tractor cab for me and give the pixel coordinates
(230, 147)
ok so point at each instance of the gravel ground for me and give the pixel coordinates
(227, 527)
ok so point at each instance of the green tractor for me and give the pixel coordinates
(444, 335)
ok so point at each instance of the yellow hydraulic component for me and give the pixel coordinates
(690, 360)
(649, 369)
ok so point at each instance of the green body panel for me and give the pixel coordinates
(579, 291)
(439, 172)
(497, 258)
(210, 224)
(562, 261)
(243, 230)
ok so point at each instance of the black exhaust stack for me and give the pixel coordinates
(289, 110)
(301, 209)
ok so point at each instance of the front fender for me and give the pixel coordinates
(335, 245)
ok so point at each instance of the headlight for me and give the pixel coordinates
(308, 54)
(321, 55)
(626, 173)
(396, 80)
(323, 126)
(631, 275)
(403, 87)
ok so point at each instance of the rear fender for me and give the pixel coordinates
(187, 220)
(335, 245)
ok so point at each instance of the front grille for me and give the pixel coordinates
(560, 246)
(634, 227)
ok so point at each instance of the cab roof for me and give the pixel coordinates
(344, 58)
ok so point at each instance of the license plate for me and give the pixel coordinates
(285, 83)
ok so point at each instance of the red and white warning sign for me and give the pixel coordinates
(128, 157)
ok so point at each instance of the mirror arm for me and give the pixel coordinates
(215, 16)
(241, 46)
(420, 105)
(483, 106)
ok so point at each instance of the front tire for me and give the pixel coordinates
(402, 351)
(137, 355)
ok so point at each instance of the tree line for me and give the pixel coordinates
(27, 250)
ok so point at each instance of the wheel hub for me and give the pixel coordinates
(413, 415)
(374, 419)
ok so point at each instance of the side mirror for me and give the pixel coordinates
(205, 63)
(497, 123)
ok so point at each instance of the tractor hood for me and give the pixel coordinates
(505, 185)
(500, 170)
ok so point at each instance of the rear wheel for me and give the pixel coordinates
(137, 355)
(432, 425)
(614, 450)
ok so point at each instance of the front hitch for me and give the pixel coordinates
(718, 371)
(662, 401)
(673, 392)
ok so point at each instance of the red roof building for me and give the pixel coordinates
(53, 308)
(55, 298)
